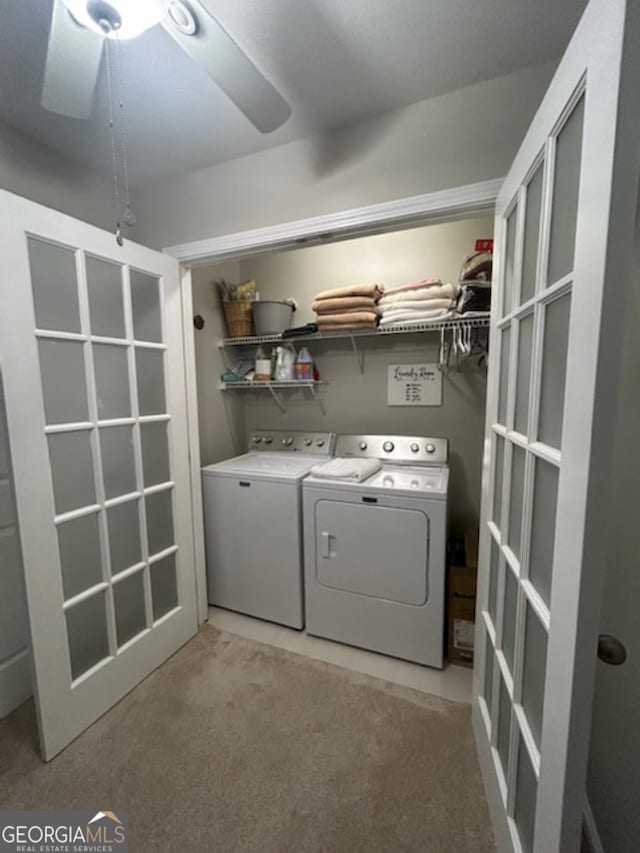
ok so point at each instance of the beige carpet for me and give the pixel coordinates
(237, 746)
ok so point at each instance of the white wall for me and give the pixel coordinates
(31, 170)
(391, 259)
(220, 417)
(15, 673)
(466, 136)
(354, 402)
(614, 770)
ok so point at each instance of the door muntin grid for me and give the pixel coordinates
(516, 612)
(109, 481)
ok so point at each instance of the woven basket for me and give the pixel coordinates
(239, 318)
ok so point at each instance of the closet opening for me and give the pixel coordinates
(349, 390)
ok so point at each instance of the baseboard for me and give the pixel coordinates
(590, 830)
(15, 682)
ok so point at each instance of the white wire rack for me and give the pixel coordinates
(274, 387)
(257, 384)
(475, 322)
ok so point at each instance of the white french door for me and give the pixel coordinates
(92, 359)
(564, 229)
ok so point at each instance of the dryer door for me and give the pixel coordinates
(374, 550)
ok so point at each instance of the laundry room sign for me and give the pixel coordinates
(414, 385)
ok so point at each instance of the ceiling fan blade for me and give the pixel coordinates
(230, 68)
(73, 62)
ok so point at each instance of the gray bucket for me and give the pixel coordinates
(271, 317)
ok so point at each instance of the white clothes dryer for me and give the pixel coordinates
(375, 550)
(252, 522)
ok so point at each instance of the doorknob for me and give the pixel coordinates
(610, 650)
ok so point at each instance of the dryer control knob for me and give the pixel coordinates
(320, 442)
(256, 439)
(430, 448)
(288, 441)
(363, 445)
(388, 446)
(267, 439)
(308, 442)
(415, 447)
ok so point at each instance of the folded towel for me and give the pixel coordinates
(413, 285)
(421, 294)
(347, 317)
(413, 318)
(373, 291)
(327, 315)
(407, 305)
(349, 327)
(343, 303)
(355, 470)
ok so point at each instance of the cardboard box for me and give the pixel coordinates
(461, 605)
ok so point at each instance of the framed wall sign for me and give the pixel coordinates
(414, 385)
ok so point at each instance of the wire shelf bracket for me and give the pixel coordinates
(359, 354)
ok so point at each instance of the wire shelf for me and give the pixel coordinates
(259, 384)
(476, 322)
(273, 387)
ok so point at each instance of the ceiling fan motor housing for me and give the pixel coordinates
(104, 15)
(122, 19)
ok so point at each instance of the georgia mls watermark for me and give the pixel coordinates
(63, 832)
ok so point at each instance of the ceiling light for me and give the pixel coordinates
(122, 19)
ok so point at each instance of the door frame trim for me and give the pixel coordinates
(455, 203)
(191, 399)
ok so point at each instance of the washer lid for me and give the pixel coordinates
(265, 466)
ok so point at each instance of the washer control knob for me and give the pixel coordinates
(430, 448)
(256, 439)
(287, 441)
(363, 445)
(415, 447)
(267, 439)
(320, 442)
(308, 442)
(388, 446)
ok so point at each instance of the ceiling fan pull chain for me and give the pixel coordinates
(128, 215)
(114, 156)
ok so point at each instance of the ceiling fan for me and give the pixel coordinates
(76, 41)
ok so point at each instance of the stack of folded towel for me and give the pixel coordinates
(418, 302)
(348, 308)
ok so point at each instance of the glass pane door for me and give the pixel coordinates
(106, 413)
(527, 429)
(537, 599)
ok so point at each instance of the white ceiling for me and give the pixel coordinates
(335, 61)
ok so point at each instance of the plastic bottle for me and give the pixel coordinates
(263, 366)
(304, 366)
(285, 363)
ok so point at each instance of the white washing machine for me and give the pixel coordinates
(375, 550)
(252, 523)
